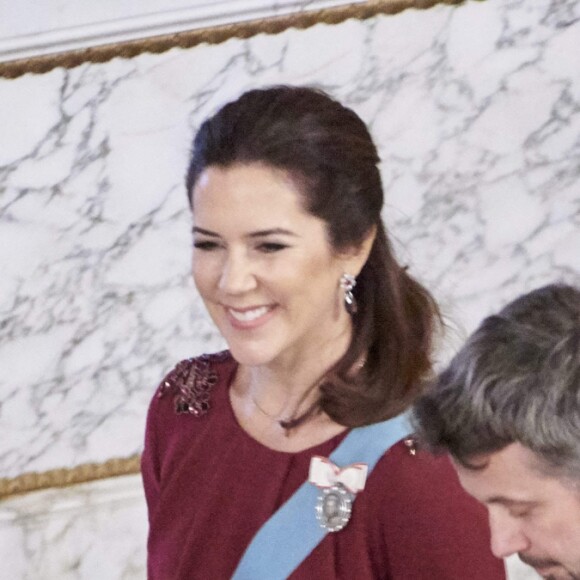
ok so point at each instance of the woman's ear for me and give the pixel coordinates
(357, 256)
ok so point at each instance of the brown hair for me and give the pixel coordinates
(328, 152)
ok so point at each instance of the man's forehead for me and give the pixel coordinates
(511, 476)
(500, 473)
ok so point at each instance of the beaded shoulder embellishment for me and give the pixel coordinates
(192, 380)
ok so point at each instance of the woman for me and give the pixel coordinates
(326, 333)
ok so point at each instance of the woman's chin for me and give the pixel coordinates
(251, 357)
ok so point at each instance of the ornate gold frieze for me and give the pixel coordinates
(64, 477)
(211, 35)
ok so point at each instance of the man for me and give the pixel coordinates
(507, 409)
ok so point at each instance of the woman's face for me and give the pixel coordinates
(264, 267)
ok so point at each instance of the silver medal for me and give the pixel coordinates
(333, 507)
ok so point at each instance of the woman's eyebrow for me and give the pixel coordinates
(270, 232)
(256, 234)
(197, 230)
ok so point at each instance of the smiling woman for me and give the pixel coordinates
(329, 343)
(267, 272)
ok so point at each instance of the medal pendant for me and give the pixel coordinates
(334, 507)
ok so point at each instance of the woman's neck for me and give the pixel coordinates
(291, 382)
(267, 397)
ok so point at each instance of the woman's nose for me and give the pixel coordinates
(237, 275)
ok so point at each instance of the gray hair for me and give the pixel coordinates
(516, 380)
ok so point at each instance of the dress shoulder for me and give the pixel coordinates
(431, 528)
(409, 464)
(191, 381)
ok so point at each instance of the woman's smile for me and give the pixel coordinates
(248, 318)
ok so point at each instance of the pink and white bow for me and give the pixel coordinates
(323, 473)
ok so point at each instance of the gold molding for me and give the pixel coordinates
(211, 35)
(65, 477)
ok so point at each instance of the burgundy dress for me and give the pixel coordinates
(210, 487)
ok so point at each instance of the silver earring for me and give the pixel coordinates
(347, 283)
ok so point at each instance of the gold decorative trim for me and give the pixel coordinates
(65, 477)
(211, 35)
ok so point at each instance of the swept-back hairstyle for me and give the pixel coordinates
(327, 151)
(516, 380)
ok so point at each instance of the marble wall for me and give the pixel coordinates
(476, 109)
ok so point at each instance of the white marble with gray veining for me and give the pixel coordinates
(476, 109)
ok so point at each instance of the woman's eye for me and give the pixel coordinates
(205, 245)
(271, 247)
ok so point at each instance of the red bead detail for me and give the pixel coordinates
(192, 380)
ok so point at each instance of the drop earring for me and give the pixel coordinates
(347, 283)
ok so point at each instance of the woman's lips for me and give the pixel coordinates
(248, 317)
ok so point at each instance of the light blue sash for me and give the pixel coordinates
(289, 536)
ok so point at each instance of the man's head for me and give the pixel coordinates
(507, 409)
